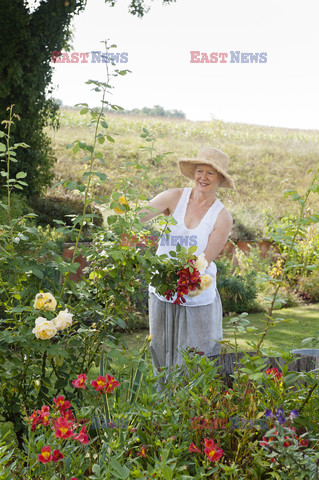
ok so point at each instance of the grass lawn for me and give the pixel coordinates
(300, 322)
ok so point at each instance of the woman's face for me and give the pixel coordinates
(207, 178)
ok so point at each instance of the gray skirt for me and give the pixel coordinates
(176, 327)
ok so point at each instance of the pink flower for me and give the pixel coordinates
(45, 455)
(57, 455)
(193, 448)
(61, 403)
(82, 437)
(63, 428)
(80, 381)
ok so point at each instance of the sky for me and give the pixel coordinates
(280, 92)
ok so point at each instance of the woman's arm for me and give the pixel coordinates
(219, 235)
(164, 202)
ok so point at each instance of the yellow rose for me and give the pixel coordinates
(201, 263)
(63, 320)
(122, 201)
(205, 281)
(45, 301)
(44, 329)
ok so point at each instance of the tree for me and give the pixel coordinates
(27, 39)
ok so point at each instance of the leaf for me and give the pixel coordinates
(21, 175)
(2, 147)
(110, 139)
(84, 111)
(119, 471)
(102, 176)
(2, 134)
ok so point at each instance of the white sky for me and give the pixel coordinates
(282, 92)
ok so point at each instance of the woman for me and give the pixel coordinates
(202, 220)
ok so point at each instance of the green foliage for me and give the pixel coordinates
(27, 41)
(19, 207)
(50, 209)
(309, 286)
(238, 292)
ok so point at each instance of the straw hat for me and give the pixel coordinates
(208, 156)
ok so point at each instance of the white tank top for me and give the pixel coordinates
(188, 237)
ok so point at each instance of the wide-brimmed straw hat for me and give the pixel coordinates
(208, 156)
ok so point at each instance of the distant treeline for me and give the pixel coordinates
(156, 111)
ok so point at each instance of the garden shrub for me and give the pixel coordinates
(64, 208)
(309, 287)
(238, 292)
(19, 207)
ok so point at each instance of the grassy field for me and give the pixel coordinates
(264, 160)
(300, 322)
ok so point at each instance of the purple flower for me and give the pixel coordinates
(268, 413)
(281, 419)
(280, 412)
(293, 414)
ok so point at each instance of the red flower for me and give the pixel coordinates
(274, 373)
(80, 381)
(57, 455)
(169, 294)
(73, 478)
(111, 384)
(45, 455)
(142, 452)
(287, 444)
(193, 448)
(63, 428)
(61, 403)
(212, 450)
(105, 385)
(45, 416)
(35, 418)
(68, 415)
(82, 437)
(303, 442)
(99, 384)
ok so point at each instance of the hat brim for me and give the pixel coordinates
(187, 167)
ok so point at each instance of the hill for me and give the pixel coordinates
(264, 161)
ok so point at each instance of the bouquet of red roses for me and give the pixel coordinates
(181, 273)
